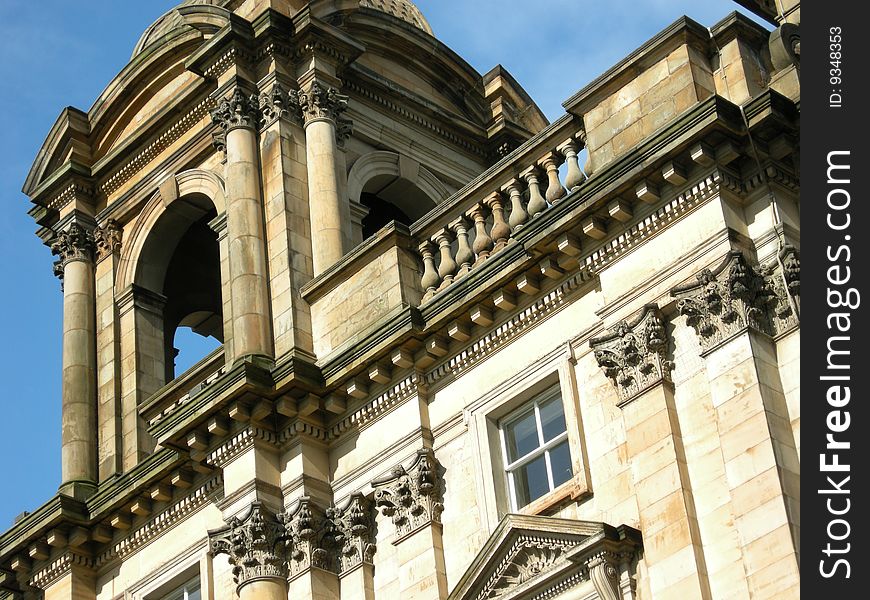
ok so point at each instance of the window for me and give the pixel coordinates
(188, 591)
(535, 448)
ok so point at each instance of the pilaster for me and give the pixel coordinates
(735, 310)
(634, 356)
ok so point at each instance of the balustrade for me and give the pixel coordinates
(486, 227)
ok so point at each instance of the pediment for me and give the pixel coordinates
(534, 556)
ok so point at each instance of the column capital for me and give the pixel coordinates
(237, 111)
(736, 296)
(309, 534)
(634, 354)
(279, 103)
(255, 544)
(354, 525)
(72, 244)
(107, 239)
(321, 102)
(413, 497)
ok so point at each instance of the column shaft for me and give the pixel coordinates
(247, 250)
(78, 391)
(327, 235)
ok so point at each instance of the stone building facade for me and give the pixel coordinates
(455, 363)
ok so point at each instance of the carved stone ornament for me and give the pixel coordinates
(76, 243)
(279, 104)
(603, 571)
(528, 560)
(311, 538)
(354, 532)
(108, 239)
(412, 497)
(256, 545)
(320, 102)
(239, 110)
(634, 354)
(735, 296)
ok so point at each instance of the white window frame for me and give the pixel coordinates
(543, 448)
(482, 418)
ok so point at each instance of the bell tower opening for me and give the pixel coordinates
(389, 198)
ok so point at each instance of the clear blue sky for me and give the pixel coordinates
(57, 53)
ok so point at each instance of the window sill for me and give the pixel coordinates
(570, 490)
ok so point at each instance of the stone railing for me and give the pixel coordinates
(483, 218)
(181, 390)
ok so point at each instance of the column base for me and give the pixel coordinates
(79, 489)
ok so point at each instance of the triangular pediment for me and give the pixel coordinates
(531, 555)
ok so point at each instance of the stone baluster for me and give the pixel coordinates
(555, 190)
(464, 254)
(537, 204)
(518, 215)
(482, 242)
(430, 278)
(447, 266)
(501, 231)
(575, 176)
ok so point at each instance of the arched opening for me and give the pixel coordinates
(180, 262)
(391, 187)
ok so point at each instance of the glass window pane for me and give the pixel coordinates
(560, 461)
(193, 592)
(530, 481)
(521, 436)
(552, 418)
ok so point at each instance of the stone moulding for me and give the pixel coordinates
(412, 497)
(385, 402)
(736, 296)
(633, 354)
(58, 568)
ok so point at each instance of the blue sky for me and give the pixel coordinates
(57, 53)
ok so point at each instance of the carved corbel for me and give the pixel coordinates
(256, 545)
(412, 497)
(634, 354)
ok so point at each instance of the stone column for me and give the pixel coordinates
(249, 280)
(412, 497)
(634, 356)
(737, 311)
(321, 108)
(257, 548)
(75, 247)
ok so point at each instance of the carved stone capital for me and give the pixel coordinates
(256, 545)
(108, 239)
(279, 104)
(72, 244)
(736, 296)
(319, 102)
(634, 354)
(412, 497)
(311, 537)
(354, 532)
(238, 111)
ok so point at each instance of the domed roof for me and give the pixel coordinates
(401, 9)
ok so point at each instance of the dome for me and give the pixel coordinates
(401, 9)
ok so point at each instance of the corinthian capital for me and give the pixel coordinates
(238, 111)
(76, 243)
(634, 354)
(256, 545)
(733, 297)
(311, 537)
(279, 104)
(412, 496)
(320, 102)
(108, 239)
(354, 527)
